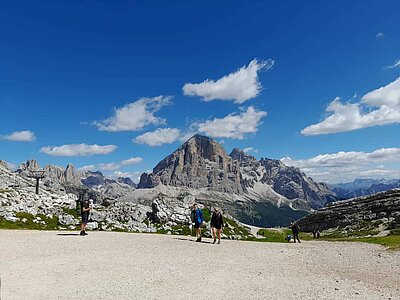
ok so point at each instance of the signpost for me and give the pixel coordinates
(37, 174)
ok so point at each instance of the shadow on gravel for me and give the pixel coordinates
(190, 240)
(68, 234)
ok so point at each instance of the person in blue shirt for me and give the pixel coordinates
(198, 219)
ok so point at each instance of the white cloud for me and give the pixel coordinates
(190, 131)
(109, 166)
(239, 86)
(233, 126)
(346, 166)
(78, 150)
(134, 176)
(248, 149)
(86, 168)
(136, 115)
(396, 64)
(379, 107)
(20, 136)
(158, 137)
(132, 161)
(380, 35)
(347, 158)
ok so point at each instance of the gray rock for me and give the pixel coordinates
(379, 211)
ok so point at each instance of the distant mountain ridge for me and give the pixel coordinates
(287, 181)
(58, 179)
(364, 187)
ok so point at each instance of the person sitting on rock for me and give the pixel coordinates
(295, 230)
(217, 222)
(197, 213)
(85, 208)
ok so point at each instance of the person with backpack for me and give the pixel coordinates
(217, 222)
(295, 230)
(85, 208)
(197, 218)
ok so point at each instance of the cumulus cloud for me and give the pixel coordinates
(109, 166)
(343, 166)
(377, 108)
(135, 176)
(20, 136)
(86, 168)
(238, 86)
(132, 161)
(234, 126)
(158, 137)
(248, 149)
(380, 35)
(78, 150)
(136, 115)
(396, 64)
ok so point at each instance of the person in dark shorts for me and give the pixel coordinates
(217, 222)
(198, 219)
(295, 230)
(85, 208)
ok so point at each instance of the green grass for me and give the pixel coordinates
(279, 235)
(72, 212)
(350, 234)
(236, 230)
(207, 215)
(391, 241)
(51, 223)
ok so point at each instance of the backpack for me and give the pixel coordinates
(193, 216)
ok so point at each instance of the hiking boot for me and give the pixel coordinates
(214, 241)
(219, 242)
(82, 233)
(198, 240)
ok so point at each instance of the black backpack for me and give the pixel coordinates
(193, 215)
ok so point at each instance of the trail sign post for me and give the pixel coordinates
(37, 174)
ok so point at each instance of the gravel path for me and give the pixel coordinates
(105, 265)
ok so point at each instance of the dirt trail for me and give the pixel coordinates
(106, 265)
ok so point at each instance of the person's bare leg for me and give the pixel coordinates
(213, 234)
(219, 235)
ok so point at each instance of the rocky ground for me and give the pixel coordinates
(369, 215)
(109, 265)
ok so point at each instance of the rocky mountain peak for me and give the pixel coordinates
(29, 165)
(4, 165)
(242, 157)
(199, 163)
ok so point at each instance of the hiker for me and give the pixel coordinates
(295, 230)
(217, 222)
(85, 208)
(197, 218)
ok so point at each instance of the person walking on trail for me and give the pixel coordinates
(198, 219)
(85, 208)
(295, 230)
(217, 222)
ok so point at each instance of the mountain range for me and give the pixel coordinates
(262, 192)
(364, 187)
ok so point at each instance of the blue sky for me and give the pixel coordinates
(130, 77)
